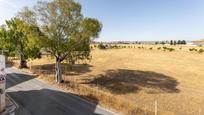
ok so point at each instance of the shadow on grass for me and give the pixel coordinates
(77, 69)
(124, 81)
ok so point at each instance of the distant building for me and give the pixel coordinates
(190, 44)
(198, 42)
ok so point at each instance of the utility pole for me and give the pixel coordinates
(2, 83)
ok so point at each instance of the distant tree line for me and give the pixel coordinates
(172, 42)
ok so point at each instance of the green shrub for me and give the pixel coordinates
(165, 48)
(116, 46)
(200, 51)
(171, 49)
(193, 49)
(101, 46)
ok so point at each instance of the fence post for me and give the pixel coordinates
(155, 104)
(199, 111)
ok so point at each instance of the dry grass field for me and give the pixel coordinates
(130, 80)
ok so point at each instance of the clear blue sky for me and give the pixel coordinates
(133, 20)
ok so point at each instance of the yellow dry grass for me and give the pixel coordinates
(130, 80)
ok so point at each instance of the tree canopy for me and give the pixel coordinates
(58, 27)
(68, 33)
(21, 39)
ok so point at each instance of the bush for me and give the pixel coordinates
(101, 46)
(200, 51)
(171, 49)
(151, 48)
(193, 49)
(159, 48)
(115, 46)
(164, 47)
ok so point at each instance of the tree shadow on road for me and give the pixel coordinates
(124, 81)
(52, 102)
(13, 79)
(46, 101)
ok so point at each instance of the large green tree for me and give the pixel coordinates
(68, 32)
(22, 39)
(4, 46)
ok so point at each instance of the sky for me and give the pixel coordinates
(135, 20)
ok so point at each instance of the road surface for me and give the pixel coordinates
(37, 98)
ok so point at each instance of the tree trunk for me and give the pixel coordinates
(58, 74)
(23, 63)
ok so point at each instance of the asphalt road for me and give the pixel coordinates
(37, 98)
